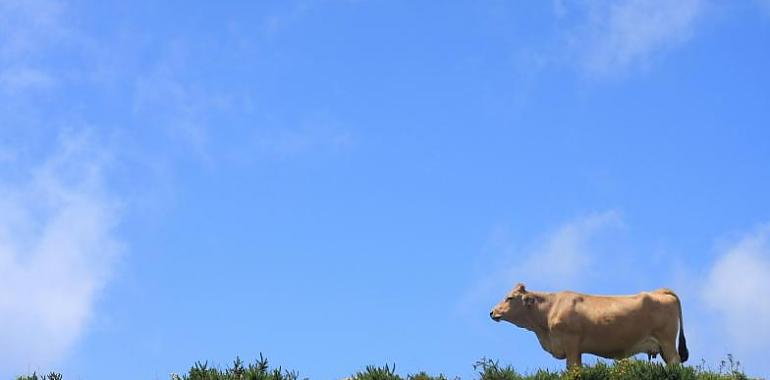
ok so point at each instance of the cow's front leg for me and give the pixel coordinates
(572, 349)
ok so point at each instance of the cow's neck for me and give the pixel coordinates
(538, 317)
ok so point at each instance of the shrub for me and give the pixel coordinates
(490, 370)
(426, 376)
(627, 369)
(377, 373)
(258, 371)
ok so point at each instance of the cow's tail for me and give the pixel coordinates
(684, 354)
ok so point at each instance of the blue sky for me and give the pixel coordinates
(341, 183)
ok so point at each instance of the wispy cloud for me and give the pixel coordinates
(15, 79)
(26, 28)
(57, 249)
(293, 12)
(180, 108)
(765, 4)
(280, 20)
(7, 155)
(25, 25)
(564, 258)
(315, 134)
(611, 37)
(737, 287)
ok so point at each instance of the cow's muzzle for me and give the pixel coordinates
(494, 317)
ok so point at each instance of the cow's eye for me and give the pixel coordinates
(508, 298)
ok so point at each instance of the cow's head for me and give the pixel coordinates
(515, 307)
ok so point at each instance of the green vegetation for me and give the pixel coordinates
(627, 369)
(35, 376)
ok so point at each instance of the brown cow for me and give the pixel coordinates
(569, 324)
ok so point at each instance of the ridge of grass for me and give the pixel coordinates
(486, 369)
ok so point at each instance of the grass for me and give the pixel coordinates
(486, 369)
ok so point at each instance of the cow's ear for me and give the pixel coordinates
(520, 288)
(528, 300)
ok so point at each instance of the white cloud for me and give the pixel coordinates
(737, 288)
(617, 35)
(580, 255)
(57, 248)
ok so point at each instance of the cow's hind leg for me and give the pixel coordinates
(668, 351)
(574, 359)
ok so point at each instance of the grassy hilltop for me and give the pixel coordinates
(628, 369)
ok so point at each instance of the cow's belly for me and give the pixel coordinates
(622, 349)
